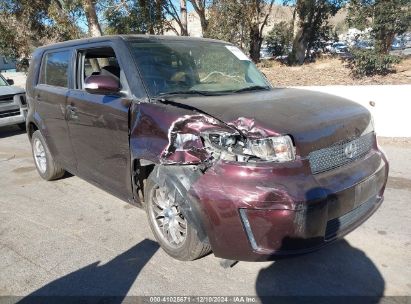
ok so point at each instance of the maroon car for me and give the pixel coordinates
(190, 130)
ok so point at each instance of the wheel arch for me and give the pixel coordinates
(181, 178)
(32, 127)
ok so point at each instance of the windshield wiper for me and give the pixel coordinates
(252, 88)
(189, 92)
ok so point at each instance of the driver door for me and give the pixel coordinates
(98, 124)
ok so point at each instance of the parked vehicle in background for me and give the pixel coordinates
(7, 64)
(13, 106)
(339, 48)
(363, 45)
(190, 130)
(328, 46)
(266, 54)
(398, 44)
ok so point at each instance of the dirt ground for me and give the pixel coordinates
(329, 71)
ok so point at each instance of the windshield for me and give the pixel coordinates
(3, 82)
(198, 67)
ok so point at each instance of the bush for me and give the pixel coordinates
(369, 63)
(279, 39)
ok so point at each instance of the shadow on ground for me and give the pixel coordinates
(107, 283)
(337, 270)
(10, 131)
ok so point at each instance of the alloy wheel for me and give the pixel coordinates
(168, 220)
(39, 155)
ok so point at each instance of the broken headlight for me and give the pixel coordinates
(229, 146)
(278, 149)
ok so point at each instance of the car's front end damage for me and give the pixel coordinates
(296, 173)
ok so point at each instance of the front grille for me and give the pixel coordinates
(336, 225)
(23, 100)
(340, 154)
(9, 113)
(6, 98)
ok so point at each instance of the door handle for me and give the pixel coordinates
(71, 112)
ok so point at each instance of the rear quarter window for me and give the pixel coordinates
(54, 69)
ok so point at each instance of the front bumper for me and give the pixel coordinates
(259, 212)
(13, 111)
(13, 120)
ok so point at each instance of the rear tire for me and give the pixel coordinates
(186, 246)
(46, 166)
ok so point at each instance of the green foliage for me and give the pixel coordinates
(387, 18)
(359, 14)
(135, 17)
(227, 22)
(312, 17)
(369, 62)
(240, 22)
(26, 24)
(279, 38)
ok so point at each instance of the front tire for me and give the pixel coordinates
(45, 163)
(174, 233)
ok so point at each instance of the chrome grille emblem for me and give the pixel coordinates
(351, 150)
(340, 153)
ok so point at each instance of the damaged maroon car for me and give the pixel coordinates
(190, 130)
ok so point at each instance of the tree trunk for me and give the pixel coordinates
(200, 9)
(255, 43)
(94, 28)
(300, 44)
(296, 21)
(384, 41)
(183, 12)
(204, 23)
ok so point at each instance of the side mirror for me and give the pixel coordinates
(102, 85)
(10, 81)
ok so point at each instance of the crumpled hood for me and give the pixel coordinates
(10, 90)
(314, 120)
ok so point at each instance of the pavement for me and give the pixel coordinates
(68, 237)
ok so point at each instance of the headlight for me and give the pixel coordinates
(233, 147)
(278, 149)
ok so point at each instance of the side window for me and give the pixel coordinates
(98, 61)
(54, 69)
(94, 66)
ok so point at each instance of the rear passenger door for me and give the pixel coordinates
(99, 123)
(50, 104)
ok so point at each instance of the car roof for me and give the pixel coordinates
(146, 38)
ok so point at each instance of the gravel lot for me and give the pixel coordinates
(67, 237)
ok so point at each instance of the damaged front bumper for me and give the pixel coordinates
(255, 212)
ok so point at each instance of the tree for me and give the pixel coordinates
(200, 7)
(257, 15)
(94, 28)
(183, 14)
(310, 17)
(279, 38)
(27, 24)
(226, 22)
(241, 22)
(387, 18)
(134, 17)
(178, 15)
